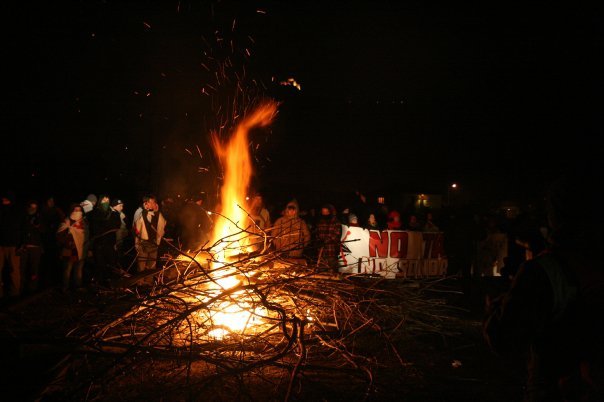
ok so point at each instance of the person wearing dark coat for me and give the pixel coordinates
(10, 241)
(32, 247)
(105, 223)
(554, 309)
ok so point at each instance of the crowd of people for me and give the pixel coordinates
(90, 242)
(93, 241)
(551, 264)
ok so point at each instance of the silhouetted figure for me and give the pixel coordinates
(10, 241)
(328, 234)
(195, 224)
(554, 309)
(105, 223)
(52, 216)
(31, 249)
(430, 225)
(122, 233)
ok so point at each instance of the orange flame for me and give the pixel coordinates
(236, 161)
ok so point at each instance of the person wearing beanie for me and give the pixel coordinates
(89, 203)
(290, 232)
(353, 220)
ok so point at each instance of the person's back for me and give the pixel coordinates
(195, 225)
(555, 309)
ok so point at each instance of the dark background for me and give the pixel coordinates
(397, 97)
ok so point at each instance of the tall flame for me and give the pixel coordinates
(236, 161)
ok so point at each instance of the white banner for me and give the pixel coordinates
(392, 253)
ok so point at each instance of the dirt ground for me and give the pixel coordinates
(436, 367)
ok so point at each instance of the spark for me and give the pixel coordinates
(147, 25)
(189, 152)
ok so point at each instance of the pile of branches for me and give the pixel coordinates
(295, 327)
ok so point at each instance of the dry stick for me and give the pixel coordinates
(343, 299)
(299, 362)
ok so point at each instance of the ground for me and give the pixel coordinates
(455, 366)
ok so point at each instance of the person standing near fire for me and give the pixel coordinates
(148, 227)
(195, 223)
(290, 233)
(259, 213)
(328, 234)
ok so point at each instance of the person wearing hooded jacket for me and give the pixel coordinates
(290, 233)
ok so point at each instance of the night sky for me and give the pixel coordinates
(117, 96)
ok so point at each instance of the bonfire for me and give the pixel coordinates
(235, 320)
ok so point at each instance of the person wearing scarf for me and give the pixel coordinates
(149, 227)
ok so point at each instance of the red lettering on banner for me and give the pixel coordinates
(398, 244)
(378, 244)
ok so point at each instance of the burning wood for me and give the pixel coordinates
(237, 316)
(217, 325)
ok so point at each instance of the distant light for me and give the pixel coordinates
(454, 185)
